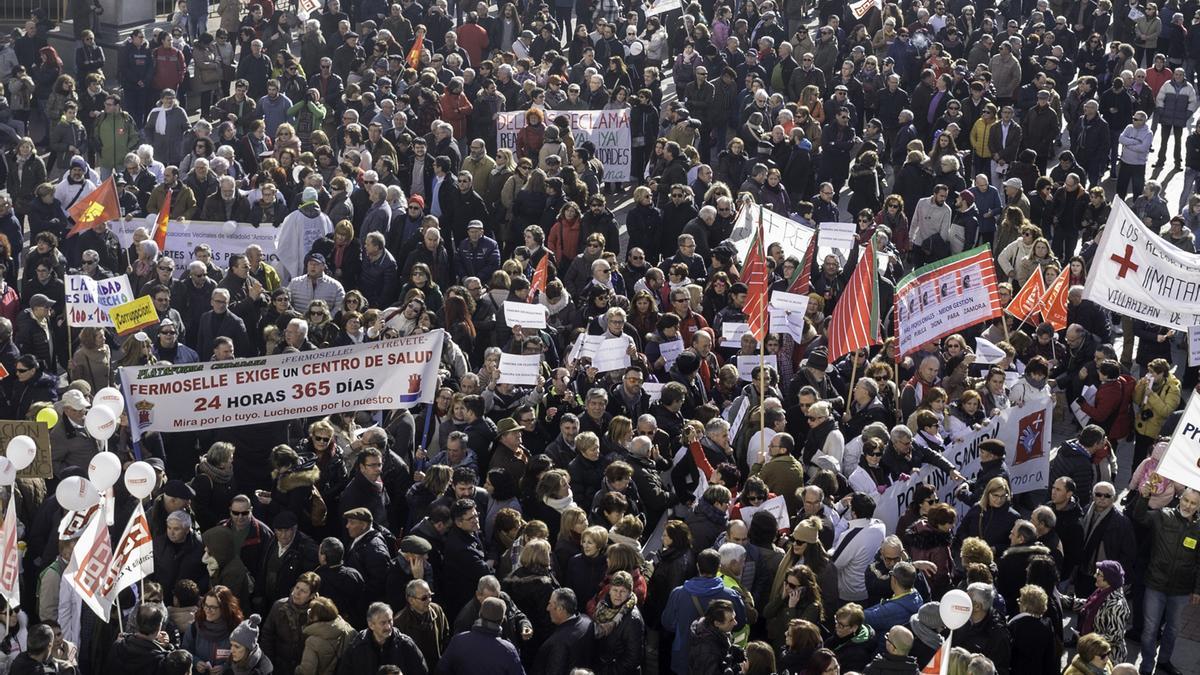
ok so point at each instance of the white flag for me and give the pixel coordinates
(133, 559)
(1180, 463)
(87, 572)
(10, 556)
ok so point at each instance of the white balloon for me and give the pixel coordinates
(8, 472)
(955, 609)
(111, 398)
(104, 470)
(228, 227)
(21, 451)
(140, 479)
(76, 493)
(101, 423)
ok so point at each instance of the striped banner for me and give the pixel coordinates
(945, 297)
(855, 321)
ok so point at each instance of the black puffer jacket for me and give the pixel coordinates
(710, 651)
(620, 652)
(530, 589)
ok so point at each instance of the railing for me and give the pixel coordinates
(17, 11)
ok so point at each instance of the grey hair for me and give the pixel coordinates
(415, 586)
(982, 594)
(196, 266)
(149, 248)
(489, 584)
(731, 553)
(182, 518)
(899, 432)
(378, 608)
(640, 446)
(1046, 516)
(716, 425)
(300, 325)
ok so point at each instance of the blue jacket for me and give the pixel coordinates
(377, 280)
(990, 207)
(893, 612)
(481, 650)
(680, 612)
(477, 261)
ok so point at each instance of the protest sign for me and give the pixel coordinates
(836, 236)
(790, 235)
(612, 355)
(776, 506)
(653, 389)
(662, 7)
(609, 130)
(747, 363)
(789, 302)
(944, 297)
(524, 314)
(1193, 338)
(42, 466)
(134, 315)
(1139, 274)
(1180, 463)
(585, 347)
(670, 351)
(1025, 431)
(383, 375)
(987, 353)
(185, 235)
(520, 368)
(88, 299)
(732, 332)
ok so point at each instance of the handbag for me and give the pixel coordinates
(210, 73)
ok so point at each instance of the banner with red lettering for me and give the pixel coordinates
(87, 572)
(609, 130)
(382, 375)
(133, 559)
(10, 556)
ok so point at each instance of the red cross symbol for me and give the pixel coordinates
(1126, 263)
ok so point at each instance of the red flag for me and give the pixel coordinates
(100, 205)
(754, 274)
(160, 225)
(855, 321)
(802, 284)
(1054, 304)
(540, 276)
(414, 54)
(1024, 304)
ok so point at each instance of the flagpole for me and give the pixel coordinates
(762, 348)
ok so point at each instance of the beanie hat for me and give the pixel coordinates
(808, 530)
(308, 196)
(246, 634)
(967, 196)
(1113, 573)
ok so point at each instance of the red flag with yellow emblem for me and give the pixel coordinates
(100, 205)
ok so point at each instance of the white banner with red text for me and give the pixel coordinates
(1025, 431)
(1138, 274)
(383, 375)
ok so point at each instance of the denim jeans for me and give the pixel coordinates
(1156, 605)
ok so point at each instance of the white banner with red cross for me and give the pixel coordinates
(1139, 274)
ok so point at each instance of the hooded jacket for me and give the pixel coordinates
(324, 642)
(220, 546)
(680, 613)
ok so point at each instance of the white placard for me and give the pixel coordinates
(837, 236)
(1194, 345)
(183, 236)
(747, 364)
(524, 314)
(654, 389)
(670, 351)
(585, 346)
(1179, 462)
(519, 368)
(662, 6)
(612, 355)
(987, 353)
(791, 302)
(89, 300)
(1089, 395)
(775, 505)
(732, 332)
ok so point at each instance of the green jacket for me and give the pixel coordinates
(116, 136)
(1174, 549)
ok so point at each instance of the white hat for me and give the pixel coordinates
(75, 400)
(1014, 183)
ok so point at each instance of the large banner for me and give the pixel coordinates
(1025, 431)
(945, 297)
(183, 236)
(609, 130)
(1181, 463)
(89, 300)
(384, 375)
(1137, 273)
(777, 229)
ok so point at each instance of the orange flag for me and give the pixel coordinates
(540, 276)
(1054, 305)
(1024, 304)
(414, 54)
(934, 667)
(100, 205)
(160, 225)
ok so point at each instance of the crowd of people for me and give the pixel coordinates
(582, 524)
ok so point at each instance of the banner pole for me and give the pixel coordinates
(762, 347)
